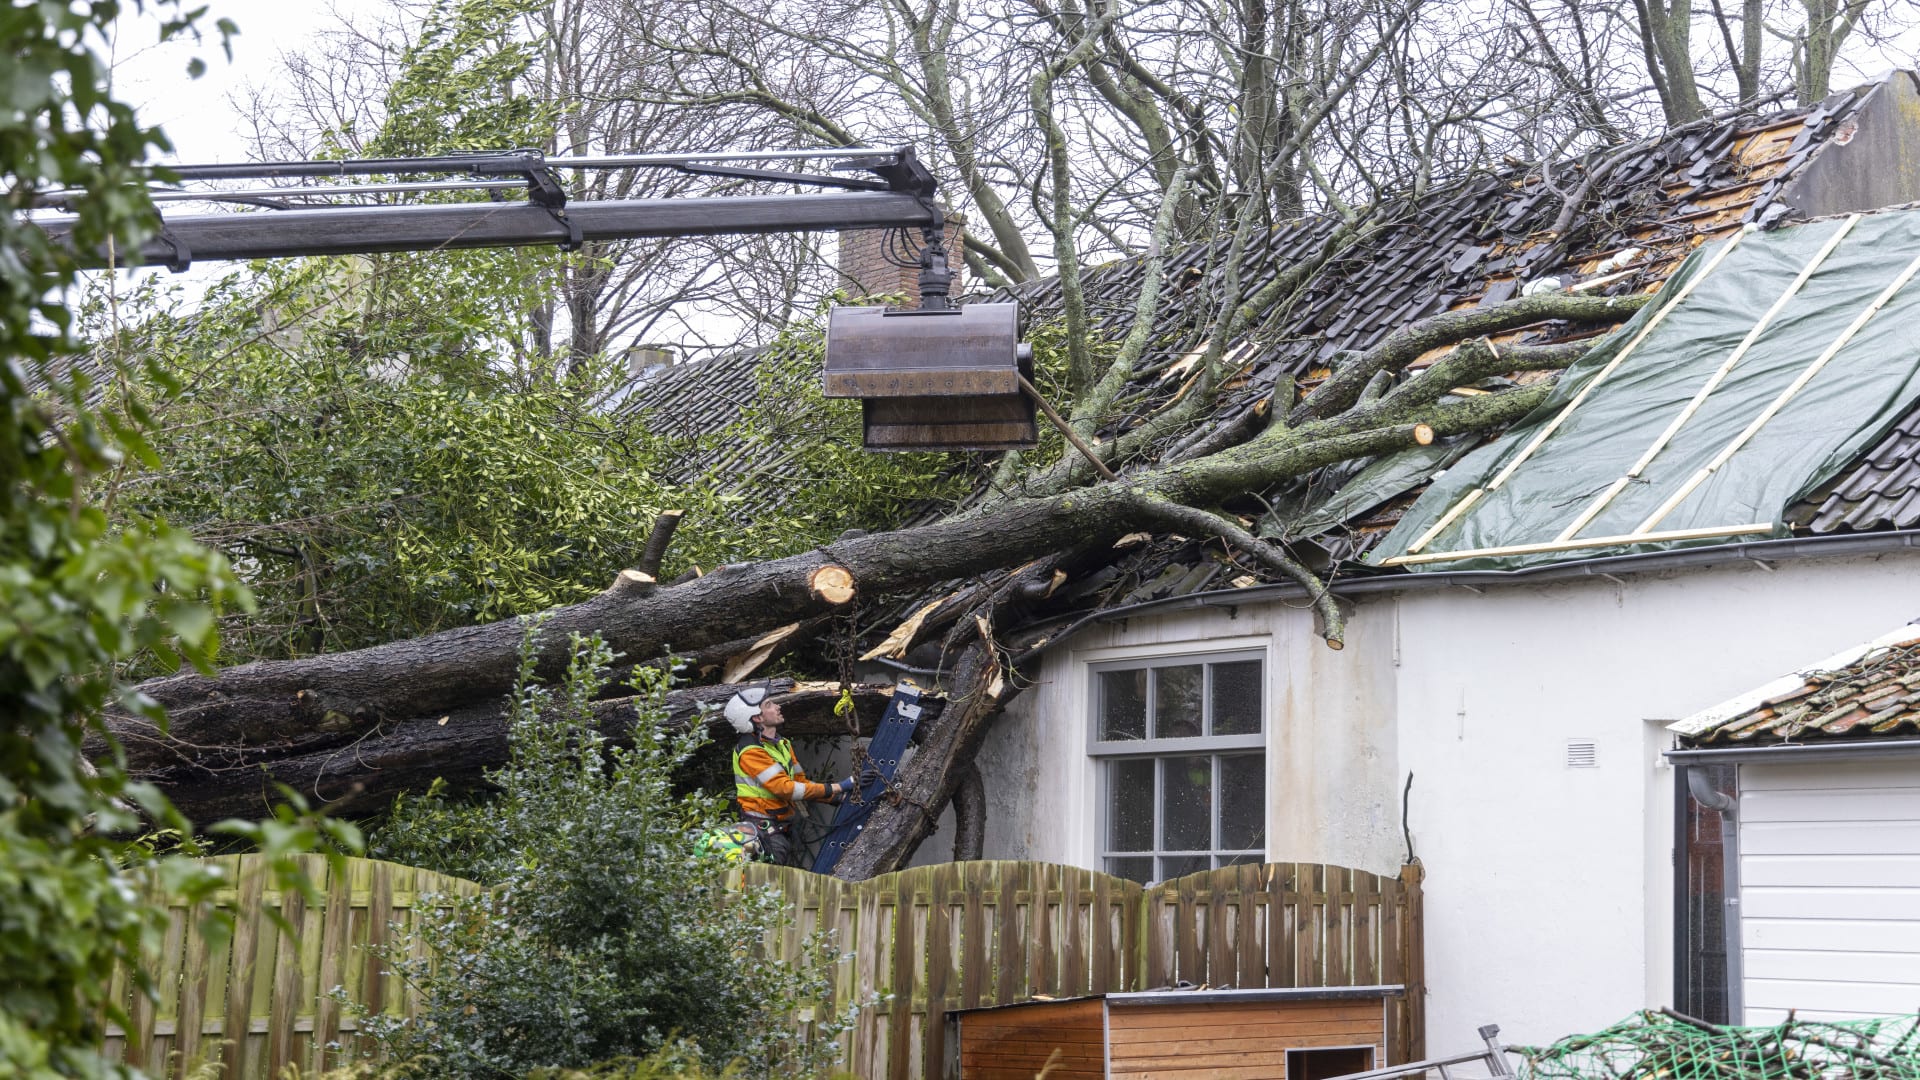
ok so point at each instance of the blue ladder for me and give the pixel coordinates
(883, 759)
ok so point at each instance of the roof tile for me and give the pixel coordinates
(1873, 695)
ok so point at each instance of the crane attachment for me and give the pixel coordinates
(871, 189)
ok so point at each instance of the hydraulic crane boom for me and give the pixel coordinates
(446, 226)
(939, 377)
(898, 192)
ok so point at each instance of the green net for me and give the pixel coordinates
(1667, 1046)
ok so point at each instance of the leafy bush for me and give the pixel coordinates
(674, 1062)
(80, 593)
(605, 935)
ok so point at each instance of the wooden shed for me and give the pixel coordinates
(1304, 1033)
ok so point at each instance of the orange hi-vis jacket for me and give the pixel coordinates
(768, 781)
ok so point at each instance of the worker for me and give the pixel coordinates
(767, 780)
(739, 842)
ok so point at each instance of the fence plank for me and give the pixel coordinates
(1250, 967)
(1187, 962)
(334, 944)
(906, 947)
(1007, 934)
(1073, 919)
(975, 934)
(1412, 949)
(282, 1000)
(940, 886)
(204, 958)
(866, 961)
(1041, 966)
(1366, 904)
(246, 937)
(1219, 900)
(1338, 922)
(1280, 925)
(1314, 925)
(1107, 950)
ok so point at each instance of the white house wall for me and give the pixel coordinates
(1549, 889)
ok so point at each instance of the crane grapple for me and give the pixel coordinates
(934, 378)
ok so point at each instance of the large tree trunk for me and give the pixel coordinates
(323, 697)
(361, 774)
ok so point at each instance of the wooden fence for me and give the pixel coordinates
(961, 935)
(259, 1000)
(955, 935)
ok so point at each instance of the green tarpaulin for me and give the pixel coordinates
(1806, 433)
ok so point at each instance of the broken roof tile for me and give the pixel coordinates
(1864, 691)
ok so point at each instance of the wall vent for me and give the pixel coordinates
(1583, 754)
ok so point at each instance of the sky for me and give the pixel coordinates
(206, 120)
(202, 115)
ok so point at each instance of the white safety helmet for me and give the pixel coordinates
(744, 706)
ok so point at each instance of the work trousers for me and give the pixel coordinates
(777, 845)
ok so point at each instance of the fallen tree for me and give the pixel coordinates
(350, 729)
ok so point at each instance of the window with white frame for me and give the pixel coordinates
(1180, 746)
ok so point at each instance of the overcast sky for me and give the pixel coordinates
(201, 115)
(206, 125)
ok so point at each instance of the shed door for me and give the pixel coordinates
(1830, 888)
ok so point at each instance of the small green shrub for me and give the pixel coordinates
(677, 1061)
(604, 936)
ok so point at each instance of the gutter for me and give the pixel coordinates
(1830, 545)
(1750, 755)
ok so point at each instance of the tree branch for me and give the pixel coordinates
(1210, 523)
(1407, 344)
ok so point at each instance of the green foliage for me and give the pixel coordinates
(456, 89)
(604, 935)
(678, 1061)
(359, 442)
(373, 472)
(78, 592)
(374, 481)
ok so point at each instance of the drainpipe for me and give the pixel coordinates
(1728, 807)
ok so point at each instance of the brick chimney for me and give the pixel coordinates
(866, 271)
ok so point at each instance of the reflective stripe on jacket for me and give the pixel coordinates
(768, 781)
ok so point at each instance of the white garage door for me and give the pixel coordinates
(1830, 888)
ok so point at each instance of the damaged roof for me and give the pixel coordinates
(1869, 691)
(1632, 214)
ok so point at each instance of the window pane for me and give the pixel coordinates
(1133, 869)
(1176, 702)
(1236, 698)
(1242, 860)
(1130, 806)
(1186, 813)
(1123, 704)
(1243, 802)
(1182, 865)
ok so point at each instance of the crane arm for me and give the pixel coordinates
(352, 230)
(899, 193)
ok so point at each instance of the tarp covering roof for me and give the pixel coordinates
(1768, 363)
